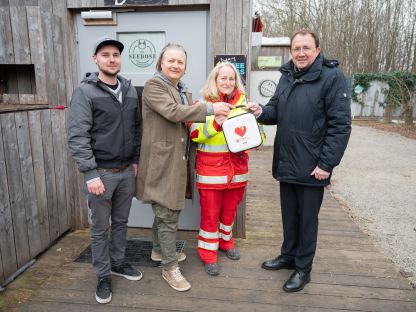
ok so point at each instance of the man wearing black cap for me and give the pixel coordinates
(104, 136)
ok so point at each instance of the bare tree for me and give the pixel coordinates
(365, 35)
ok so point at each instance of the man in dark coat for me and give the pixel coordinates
(311, 107)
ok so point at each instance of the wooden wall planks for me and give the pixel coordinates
(39, 176)
(20, 35)
(34, 21)
(49, 162)
(7, 246)
(6, 38)
(28, 184)
(36, 206)
(59, 150)
(37, 32)
(14, 182)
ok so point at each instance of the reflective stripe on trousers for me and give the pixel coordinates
(226, 232)
(209, 235)
(226, 237)
(226, 228)
(208, 246)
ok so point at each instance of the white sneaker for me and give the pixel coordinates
(175, 279)
(157, 256)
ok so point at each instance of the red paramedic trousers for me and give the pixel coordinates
(218, 210)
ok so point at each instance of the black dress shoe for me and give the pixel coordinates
(278, 263)
(297, 281)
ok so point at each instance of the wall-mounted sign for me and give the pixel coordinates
(141, 50)
(134, 2)
(239, 61)
(269, 61)
(358, 89)
(267, 88)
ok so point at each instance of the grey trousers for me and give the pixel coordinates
(165, 226)
(108, 239)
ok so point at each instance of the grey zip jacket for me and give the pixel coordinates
(102, 132)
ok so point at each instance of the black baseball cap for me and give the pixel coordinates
(103, 41)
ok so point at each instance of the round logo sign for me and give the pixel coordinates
(142, 53)
(267, 88)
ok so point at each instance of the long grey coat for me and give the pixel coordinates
(162, 173)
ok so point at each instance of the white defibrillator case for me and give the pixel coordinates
(242, 132)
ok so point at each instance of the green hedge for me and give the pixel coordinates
(401, 86)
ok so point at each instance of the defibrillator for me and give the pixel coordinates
(241, 130)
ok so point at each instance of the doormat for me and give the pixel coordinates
(138, 253)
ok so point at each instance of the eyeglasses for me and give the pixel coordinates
(305, 50)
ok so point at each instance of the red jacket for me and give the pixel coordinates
(216, 166)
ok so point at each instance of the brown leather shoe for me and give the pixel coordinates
(278, 263)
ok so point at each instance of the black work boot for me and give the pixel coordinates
(212, 269)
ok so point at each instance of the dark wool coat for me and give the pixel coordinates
(314, 121)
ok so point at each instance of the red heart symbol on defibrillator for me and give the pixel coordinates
(241, 130)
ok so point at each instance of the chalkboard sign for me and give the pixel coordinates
(239, 61)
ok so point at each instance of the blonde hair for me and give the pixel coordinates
(210, 90)
(168, 47)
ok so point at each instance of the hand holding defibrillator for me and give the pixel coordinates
(241, 130)
(221, 108)
(254, 108)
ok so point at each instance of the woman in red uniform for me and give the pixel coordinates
(221, 175)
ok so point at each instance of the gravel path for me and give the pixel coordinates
(376, 181)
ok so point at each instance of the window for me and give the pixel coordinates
(17, 79)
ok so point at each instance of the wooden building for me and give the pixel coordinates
(266, 60)
(40, 188)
